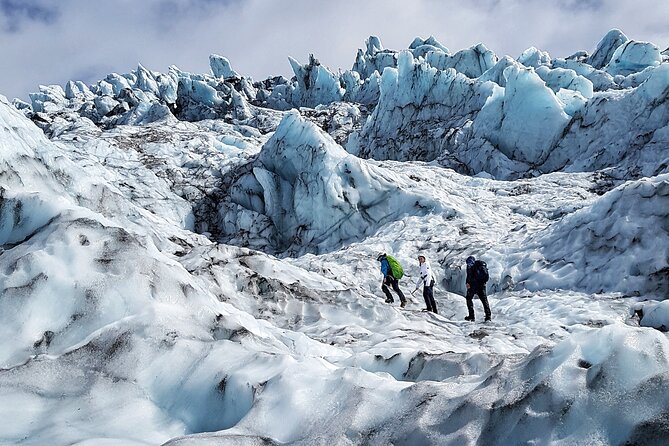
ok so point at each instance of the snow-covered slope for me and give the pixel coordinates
(619, 241)
(189, 259)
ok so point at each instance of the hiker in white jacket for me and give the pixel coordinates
(427, 280)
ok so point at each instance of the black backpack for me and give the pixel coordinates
(481, 271)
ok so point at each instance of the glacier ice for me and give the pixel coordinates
(525, 119)
(632, 57)
(558, 78)
(185, 258)
(407, 123)
(318, 196)
(315, 84)
(472, 62)
(534, 57)
(421, 47)
(447, 129)
(606, 47)
(220, 67)
(375, 59)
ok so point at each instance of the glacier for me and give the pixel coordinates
(190, 259)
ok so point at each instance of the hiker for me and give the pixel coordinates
(427, 279)
(389, 278)
(477, 276)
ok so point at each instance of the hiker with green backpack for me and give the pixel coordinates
(392, 273)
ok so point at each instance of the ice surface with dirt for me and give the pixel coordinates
(190, 259)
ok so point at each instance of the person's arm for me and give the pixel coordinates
(384, 268)
(423, 275)
(468, 279)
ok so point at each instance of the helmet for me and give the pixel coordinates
(420, 254)
(470, 261)
(380, 256)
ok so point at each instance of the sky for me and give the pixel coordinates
(53, 41)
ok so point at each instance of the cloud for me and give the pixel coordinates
(81, 39)
(13, 13)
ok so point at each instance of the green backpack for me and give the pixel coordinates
(395, 267)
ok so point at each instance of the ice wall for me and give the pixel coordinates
(426, 107)
(605, 48)
(625, 129)
(317, 195)
(417, 106)
(525, 119)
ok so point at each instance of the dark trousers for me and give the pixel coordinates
(480, 292)
(428, 295)
(390, 280)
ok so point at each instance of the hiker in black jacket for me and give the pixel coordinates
(477, 276)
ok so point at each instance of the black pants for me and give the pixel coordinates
(480, 292)
(428, 295)
(390, 280)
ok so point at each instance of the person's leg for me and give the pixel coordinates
(428, 304)
(396, 287)
(386, 291)
(484, 300)
(430, 294)
(470, 304)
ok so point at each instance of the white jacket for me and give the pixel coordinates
(426, 276)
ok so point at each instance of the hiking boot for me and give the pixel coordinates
(487, 319)
(389, 301)
(403, 304)
(469, 318)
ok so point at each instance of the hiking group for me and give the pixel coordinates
(477, 277)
